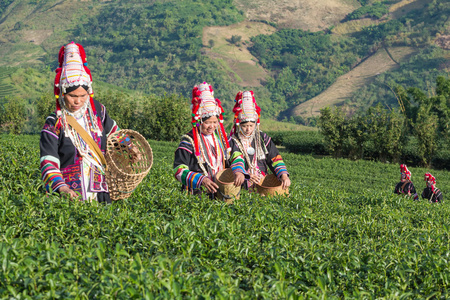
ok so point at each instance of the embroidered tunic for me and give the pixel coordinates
(61, 163)
(187, 169)
(273, 160)
(432, 196)
(405, 188)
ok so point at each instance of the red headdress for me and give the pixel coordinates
(204, 105)
(404, 170)
(72, 71)
(430, 178)
(245, 109)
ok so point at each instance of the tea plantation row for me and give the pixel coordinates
(341, 233)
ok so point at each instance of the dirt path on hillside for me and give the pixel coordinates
(347, 84)
(310, 15)
(236, 58)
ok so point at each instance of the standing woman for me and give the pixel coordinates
(203, 152)
(260, 152)
(68, 164)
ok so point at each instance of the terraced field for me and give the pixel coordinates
(6, 88)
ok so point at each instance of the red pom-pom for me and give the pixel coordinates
(82, 53)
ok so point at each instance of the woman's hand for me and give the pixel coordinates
(65, 190)
(285, 181)
(255, 178)
(210, 185)
(135, 154)
(239, 179)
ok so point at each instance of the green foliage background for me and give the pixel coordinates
(155, 47)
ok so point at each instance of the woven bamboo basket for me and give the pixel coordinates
(129, 158)
(227, 192)
(271, 186)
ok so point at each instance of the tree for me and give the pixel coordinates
(235, 39)
(45, 105)
(13, 115)
(425, 129)
(333, 127)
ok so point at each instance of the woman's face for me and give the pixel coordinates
(209, 125)
(75, 99)
(248, 128)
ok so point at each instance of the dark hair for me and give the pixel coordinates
(245, 122)
(206, 118)
(73, 88)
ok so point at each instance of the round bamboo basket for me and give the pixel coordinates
(129, 158)
(227, 192)
(271, 186)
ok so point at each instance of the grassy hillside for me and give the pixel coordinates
(167, 46)
(302, 14)
(302, 73)
(364, 74)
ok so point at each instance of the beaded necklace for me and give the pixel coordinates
(85, 116)
(213, 160)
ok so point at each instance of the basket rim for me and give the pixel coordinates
(221, 172)
(270, 187)
(114, 164)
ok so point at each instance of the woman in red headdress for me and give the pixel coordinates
(68, 164)
(259, 151)
(405, 186)
(204, 151)
(431, 192)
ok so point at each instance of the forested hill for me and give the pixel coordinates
(300, 50)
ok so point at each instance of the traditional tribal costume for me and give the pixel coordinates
(406, 186)
(431, 192)
(260, 152)
(199, 156)
(66, 159)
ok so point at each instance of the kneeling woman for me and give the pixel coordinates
(203, 152)
(405, 186)
(431, 192)
(260, 152)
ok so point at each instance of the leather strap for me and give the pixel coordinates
(403, 185)
(87, 138)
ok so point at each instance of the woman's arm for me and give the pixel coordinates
(184, 160)
(50, 160)
(273, 158)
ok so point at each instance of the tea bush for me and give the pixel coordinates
(342, 233)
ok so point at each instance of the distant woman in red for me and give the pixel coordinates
(405, 186)
(431, 192)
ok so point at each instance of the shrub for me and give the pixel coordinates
(410, 154)
(164, 118)
(45, 105)
(441, 159)
(13, 115)
(306, 142)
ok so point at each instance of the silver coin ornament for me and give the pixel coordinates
(251, 150)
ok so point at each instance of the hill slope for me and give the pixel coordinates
(347, 84)
(168, 46)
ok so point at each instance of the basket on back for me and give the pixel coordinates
(227, 190)
(129, 158)
(271, 186)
